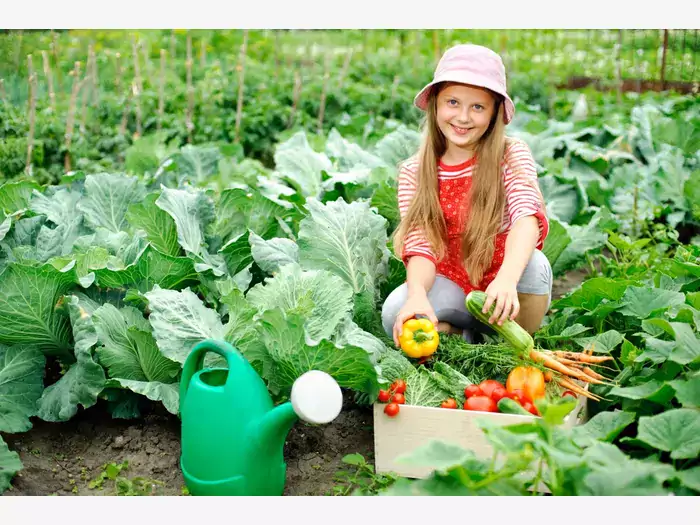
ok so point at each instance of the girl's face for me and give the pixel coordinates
(464, 114)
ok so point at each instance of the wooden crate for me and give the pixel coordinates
(416, 426)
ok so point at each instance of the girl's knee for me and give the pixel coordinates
(537, 276)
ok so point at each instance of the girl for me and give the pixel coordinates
(472, 215)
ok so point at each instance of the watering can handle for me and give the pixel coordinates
(195, 361)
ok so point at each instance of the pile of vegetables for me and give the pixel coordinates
(506, 378)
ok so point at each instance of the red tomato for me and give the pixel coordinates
(531, 408)
(384, 396)
(449, 403)
(472, 390)
(488, 386)
(391, 410)
(398, 386)
(568, 393)
(518, 396)
(498, 393)
(399, 399)
(481, 404)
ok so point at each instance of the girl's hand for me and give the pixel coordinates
(416, 304)
(503, 293)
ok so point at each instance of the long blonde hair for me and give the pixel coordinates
(487, 196)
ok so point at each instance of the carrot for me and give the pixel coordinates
(555, 365)
(548, 376)
(584, 358)
(570, 385)
(593, 373)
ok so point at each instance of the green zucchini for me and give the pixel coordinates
(514, 334)
(510, 406)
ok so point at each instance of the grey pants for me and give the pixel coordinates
(448, 299)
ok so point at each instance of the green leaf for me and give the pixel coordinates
(321, 298)
(640, 302)
(398, 145)
(273, 254)
(180, 321)
(593, 291)
(290, 355)
(297, 163)
(196, 164)
(240, 326)
(657, 351)
(690, 478)
(554, 413)
(687, 391)
(348, 240)
(606, 426)
(236, 254)
(657, 391)
(10, 465)
(16, 196)
(5, 227)
(354, 459)
(240, 211)
(563, 200)
(629, 353)
(437, 455)
(676, 431)
(556, 242)
(84, 380)
(584, 240)
(21, 385)
(167, 393)
(347, 155)
(160, 227)
(602, 343)
(127, 348)
(150, 269)
(394, 365)
(107, 199)
(631, 479)
(687, 348)
(192, 211)
(28, 298)
(59, 205)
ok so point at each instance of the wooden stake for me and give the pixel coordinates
(3, 93)
(147, 66)
(88, 89)
(663, 61)
(32, 114)
(324, 89)
(118, 76)
(436, 46)
(277, 56)
(137, 69)
(618, 65)
(95, 81)
(18, 52)
(346, 67)
(241, 79)
(137, 98)
(125, 113)
(189, 118)
(295, 98)
(173, 44)
(49, 79)
(70, 121)
(161, 94)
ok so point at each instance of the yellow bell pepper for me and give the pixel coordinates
(419, 338)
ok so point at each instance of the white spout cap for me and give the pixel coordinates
(316, 397)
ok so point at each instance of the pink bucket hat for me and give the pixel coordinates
(473, 65)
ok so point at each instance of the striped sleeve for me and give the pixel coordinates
(415, 242)
(523, 195)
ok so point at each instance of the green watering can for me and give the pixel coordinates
(232, 436)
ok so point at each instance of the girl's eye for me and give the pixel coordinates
(452, 102)
(478, 107)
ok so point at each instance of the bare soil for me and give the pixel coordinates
(63, 458)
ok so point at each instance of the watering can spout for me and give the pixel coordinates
(316, 398)
(272, 429)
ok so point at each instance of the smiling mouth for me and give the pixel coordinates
(460, 131)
